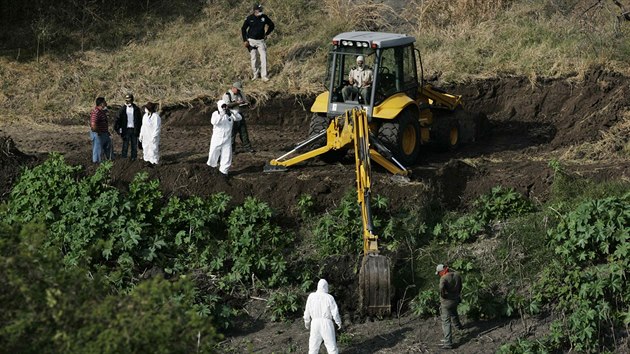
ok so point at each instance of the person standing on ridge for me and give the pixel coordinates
(320, 312)
(221, 141)
(255, 29)
(150, 134)
(99, 126)
(128, 126)
(450, 297)
(236, 100)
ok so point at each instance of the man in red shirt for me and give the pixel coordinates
(101, 139)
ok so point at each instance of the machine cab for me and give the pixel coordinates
(389, 67)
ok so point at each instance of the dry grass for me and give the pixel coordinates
(361, 16)
(540, 38)
(614, 143)
(185, 61)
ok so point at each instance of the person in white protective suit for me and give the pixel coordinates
(221, 141)
(150, 134)
(320, 312)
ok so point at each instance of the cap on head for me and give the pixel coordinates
(238, 85)
(129, 97)
(359, 58)
(439, 268)
(257, 7)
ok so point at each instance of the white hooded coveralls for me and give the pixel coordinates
(150, 137)
(221, 141)
(321, 309)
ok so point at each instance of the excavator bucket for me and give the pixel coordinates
(375, 290)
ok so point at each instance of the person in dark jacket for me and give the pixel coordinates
(450, 297)
(236, 101)
(128, 126)
(255, 29)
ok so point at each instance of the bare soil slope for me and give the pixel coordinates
(530, 122)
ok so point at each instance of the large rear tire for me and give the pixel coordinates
(445, 131)
(402, 137)
(319, 123)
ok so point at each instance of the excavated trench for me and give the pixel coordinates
(529, 122)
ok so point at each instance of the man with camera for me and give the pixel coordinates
(221, 141)
(236, 101)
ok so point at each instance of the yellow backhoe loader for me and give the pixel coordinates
(387, 120)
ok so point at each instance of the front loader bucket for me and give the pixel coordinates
(375, 289)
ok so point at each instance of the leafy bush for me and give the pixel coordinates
(254, 245)
(306, 206)
(340, 231)
(586, 281)
(51, 307)
(500, 204)
(127, 237)
(283, 304)
(461, 229)
(524, 346)
(426, 303)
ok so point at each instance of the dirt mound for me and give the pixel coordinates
(559, 112)
(277, 109)
(11, 161)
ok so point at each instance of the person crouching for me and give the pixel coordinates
(221, 141)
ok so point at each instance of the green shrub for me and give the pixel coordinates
(255, 245)
(340, 231)
(283, 304)
(587, 278)
(523, 346)
(500, 204)
(306, 206)
(128, 237)
(49, 307)
(426, 304)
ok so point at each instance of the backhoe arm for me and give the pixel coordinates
(364, 178)
(375, 288)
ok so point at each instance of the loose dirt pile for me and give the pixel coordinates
(531, 121)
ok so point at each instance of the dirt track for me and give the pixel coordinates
(530, 123)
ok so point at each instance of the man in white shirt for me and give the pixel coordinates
(360, 82)
(128, 126)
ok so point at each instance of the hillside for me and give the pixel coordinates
(125, 258)
(195, 50)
